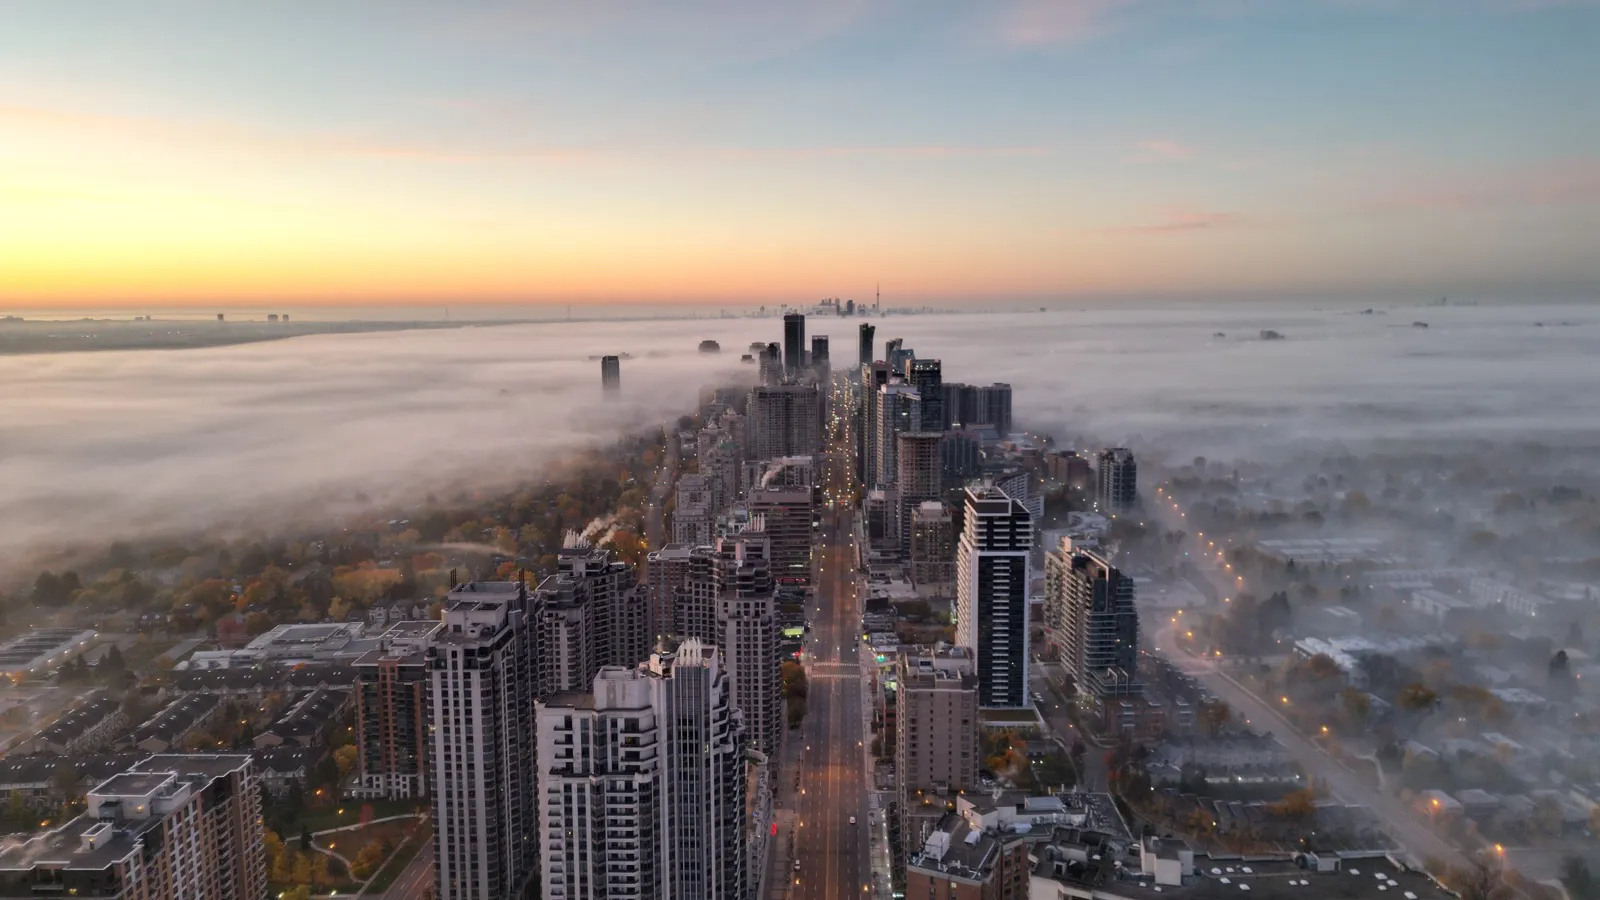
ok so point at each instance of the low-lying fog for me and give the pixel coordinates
(95, 446)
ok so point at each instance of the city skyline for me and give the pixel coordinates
(615, 153)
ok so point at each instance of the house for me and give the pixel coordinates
(1438, 805)
(1478, 804)
(305, 720)
(1413, 753)
(281, 767)
(164, 730)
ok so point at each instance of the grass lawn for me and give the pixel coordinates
(348, 812)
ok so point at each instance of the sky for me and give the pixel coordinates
(182, 152)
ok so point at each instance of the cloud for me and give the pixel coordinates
(1161, 150)
(1044, 23)
(1182, 222)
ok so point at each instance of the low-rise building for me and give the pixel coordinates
(166, 729)
(282, 767)
(305, 720)
(88, 726)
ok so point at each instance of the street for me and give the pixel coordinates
(832, 853)
(416, 881)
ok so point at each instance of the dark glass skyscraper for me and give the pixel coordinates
(867, 331)
(610, 376)
(794, 344)
(927, 376)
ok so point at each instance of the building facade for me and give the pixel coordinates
(936, 737)
(481, 692)
(642, 783)
(1116, 480)
(391, 697)
(992, 576)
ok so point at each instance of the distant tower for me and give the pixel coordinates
(611, 377)
(221, 317)
(794, 344)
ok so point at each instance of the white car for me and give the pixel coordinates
(852, 820)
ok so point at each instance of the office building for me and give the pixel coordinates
(899, 410)
(927, 376)
(896, 355)
(992, 575)
(933, 548)
(1116, 480)
(171, 826)
(1091, 622)
(784, 420)
(936, 737)
(642, 783)
(391, 698)
(864, 355)
(785, 516)
(794, 345)
(611, 377)
(918, 479)
(481, 687)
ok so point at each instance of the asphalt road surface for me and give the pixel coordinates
(416, 880)
(832, 853)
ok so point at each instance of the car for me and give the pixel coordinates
(852, 820)
(797, 865)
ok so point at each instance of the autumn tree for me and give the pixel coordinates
(1416, 697)
(345, 758)
(1214, 716)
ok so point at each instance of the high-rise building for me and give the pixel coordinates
(693, 513)
(918, 479)
(874, 376)
(771, 365)
(1091, 621)
(936, 737)
(994, 407)
(486, 844)
(867, 330)
(611, 377)
(748, 618)
(794, 344)
(642, 783)
(896, 355)
(899, 410)
(172, 825)
(933, 548)
(391, 696)
(784, 420)
(992, 575)
(667, 576)
(819, 354)
(927, 376)
(591, 613)
(1116, 480)
(785, 517)
(960, 455)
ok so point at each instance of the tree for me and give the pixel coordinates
(113, 663)
(1580, 883)
(1214, 717)
(1355, 705)
(345, 758)
(1483, 880)
(1297, 805)
(1416, 697)
(367, 860)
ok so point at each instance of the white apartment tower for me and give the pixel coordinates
(481, 691)
(992, 575)
(642, 784)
